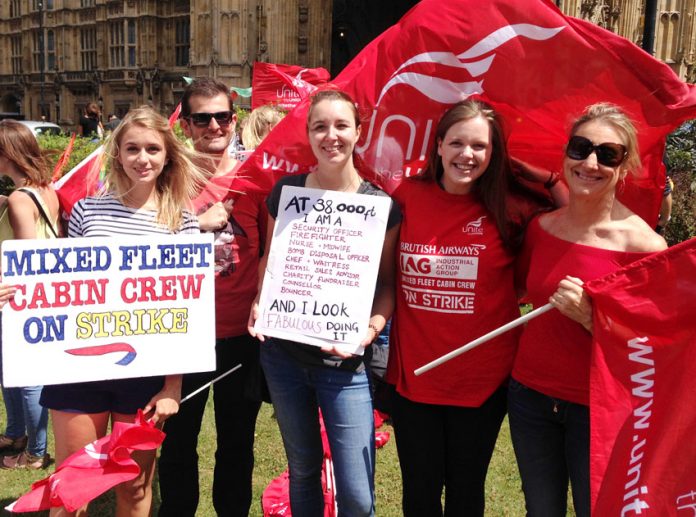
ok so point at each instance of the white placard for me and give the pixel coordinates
(322, 267)
(91, 309)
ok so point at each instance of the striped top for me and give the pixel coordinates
(106, 216)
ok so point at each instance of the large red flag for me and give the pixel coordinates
(284, 85)
(538, 67)
(93, 470)
(642, 385)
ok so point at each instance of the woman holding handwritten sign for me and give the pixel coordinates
(303, 378)
(30, 212)
(149, 178)
(456, 253)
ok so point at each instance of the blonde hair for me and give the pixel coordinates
(615, 117)
(258, 124)
(18, 144)
(181, 178)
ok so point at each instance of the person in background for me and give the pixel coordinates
(113, 123)
(30, 212)
(455, 282)
(595, 234)
(149, 181)
(258, 124)
(303, 378)
(665, 207)
(90, 125)
(208, 118)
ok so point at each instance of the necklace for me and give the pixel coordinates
(344, 189)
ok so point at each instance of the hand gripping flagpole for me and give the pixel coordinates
(487, 337)
(207, 385)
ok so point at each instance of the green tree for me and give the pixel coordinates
(681, 161)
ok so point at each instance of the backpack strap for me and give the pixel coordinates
(32, 194)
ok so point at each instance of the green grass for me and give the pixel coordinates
(503, 493)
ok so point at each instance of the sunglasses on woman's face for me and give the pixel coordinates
(608, 154)
(223, 118)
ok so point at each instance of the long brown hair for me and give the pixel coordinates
(18, 144)
(493, 186)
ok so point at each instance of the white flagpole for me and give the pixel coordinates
(196, 392)
(479, 341)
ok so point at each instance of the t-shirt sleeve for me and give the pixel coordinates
(395, 215)
(273, 199)
(189, 223)
(76, 219)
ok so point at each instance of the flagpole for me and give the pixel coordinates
(487, 337)
(207, 385)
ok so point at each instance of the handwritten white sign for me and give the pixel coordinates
(91, 309)
(322, 267)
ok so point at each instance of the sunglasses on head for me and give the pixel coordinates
(223, 118)
(608, 154)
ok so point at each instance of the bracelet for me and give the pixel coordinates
(553, 179)
(372, 326)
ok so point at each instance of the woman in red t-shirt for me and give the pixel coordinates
(594, 235)
(455, 283)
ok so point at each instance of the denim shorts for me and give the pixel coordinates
(124, 396)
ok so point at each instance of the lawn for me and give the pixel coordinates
(503, 494)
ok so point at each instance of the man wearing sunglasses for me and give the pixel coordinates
(238, 221)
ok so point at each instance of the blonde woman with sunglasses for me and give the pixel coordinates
(548, 397)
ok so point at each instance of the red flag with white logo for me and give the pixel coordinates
(92, 470)
(642, 382)
(284, 85)
(538, 67)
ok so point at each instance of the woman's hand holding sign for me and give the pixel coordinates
(7, 292)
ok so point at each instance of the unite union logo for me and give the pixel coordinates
(687, 502)
(474, 227)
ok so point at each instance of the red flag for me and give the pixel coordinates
(63, 160)
(538, 67)
(94, 469)
(81, 181)
(284, 85)
(642, 381)
(175, 115)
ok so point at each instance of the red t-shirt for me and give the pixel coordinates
(554, 353)
(237, 249)
(454, 284)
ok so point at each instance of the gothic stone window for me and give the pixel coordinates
(17, 54)
(183, 41)
(15, 8)
(88, 48)
(121, 48)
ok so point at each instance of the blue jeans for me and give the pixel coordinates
(551, 438)
(26, 416)
(298, 392)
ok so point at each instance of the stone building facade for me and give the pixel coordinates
(125, 53)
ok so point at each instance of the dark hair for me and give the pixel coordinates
(493, 186)
(332, 94)
(204, 87)
(92, 109)
(18, 144)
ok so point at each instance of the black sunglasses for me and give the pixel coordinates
(223, 118)
(608, 154)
